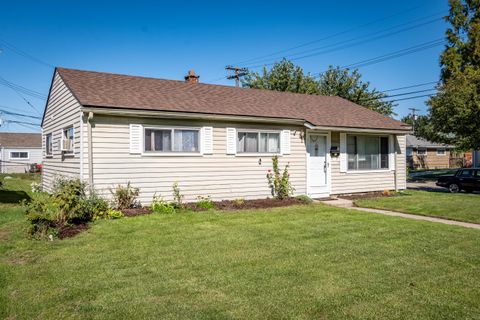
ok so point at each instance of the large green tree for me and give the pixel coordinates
(285, 76)
(455, 109)
(421, 125)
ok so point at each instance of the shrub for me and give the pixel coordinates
(43, 215)
(177, 196)
(304, 198)
(159, 205)
(278, 182)
(125, 197)
(205, 203)
(36, 187)
(69, 204)
(108, 214)
(239, 202)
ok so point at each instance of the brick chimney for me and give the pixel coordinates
(191, 77)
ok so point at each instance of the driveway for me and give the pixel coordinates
(425, 186)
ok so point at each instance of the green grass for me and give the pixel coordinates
(298, 262)
(459, 206)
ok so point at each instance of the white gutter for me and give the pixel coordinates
(366, 130)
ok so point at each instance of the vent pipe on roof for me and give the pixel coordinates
(191, 77)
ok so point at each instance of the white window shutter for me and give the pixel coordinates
(231, 141)
(391, 152)
(343, 152)
(285, 142)
(207, 140)
(136, 138)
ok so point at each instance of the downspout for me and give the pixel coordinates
(395, 172)
(90, 149)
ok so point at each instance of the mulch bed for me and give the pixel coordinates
(230, 205)
(136, 211)
(68, 231)
(367, 195)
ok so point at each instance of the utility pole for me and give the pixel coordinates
(238, 73)
(414, 111)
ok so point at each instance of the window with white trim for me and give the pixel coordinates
(421, 151)
(67, 140)
(441, 152)
(19, 155)
(367, 152)
(258, 142)
(171, 140)
(48, 145)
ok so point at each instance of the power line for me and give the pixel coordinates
(409, 98)
(412, 86)
(23, 122)
(24, 99)
(391, 55)
(24, 90)
(25, 54)
(328, 37)
(18, 114)
(350, 42)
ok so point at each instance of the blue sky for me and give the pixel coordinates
(165, 40)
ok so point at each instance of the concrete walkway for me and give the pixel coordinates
(344, 203)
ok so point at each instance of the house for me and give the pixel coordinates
(216, 141)
(476, 159)
(19, 150)
(424, 154)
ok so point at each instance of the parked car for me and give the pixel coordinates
(464, 179)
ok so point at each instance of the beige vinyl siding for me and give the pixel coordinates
(9, 165)
(218, 175)
(431, 160)
(63, 110)
(353, 182)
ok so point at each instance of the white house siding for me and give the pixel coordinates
(9, 165)
(218, 175)
(352, 182)
(63, 110)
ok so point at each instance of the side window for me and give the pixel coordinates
(466, 173)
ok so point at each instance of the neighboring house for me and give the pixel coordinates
(423, 154)
(19, 150)
(216, 141)
(476, 159)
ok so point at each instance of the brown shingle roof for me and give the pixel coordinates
(20, 140)
(121, 91)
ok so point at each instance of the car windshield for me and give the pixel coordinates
(465, 173)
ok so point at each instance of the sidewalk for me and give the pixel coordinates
(344, 203)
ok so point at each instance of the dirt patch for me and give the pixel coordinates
(21, 258)
(136, 211)
(367, 195)
(68, 231)
(4, 235)
(230, 205)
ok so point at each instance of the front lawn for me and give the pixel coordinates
(459, 206)
(304, 262)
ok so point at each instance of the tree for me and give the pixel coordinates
(455, 109)
(285, 76)
(422, 127)
(348, 85)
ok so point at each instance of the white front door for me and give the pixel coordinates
(317, 165)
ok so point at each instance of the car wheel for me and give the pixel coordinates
(453, 188)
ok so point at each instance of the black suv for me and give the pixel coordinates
(463, 179)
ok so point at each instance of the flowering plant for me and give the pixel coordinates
(278, 182)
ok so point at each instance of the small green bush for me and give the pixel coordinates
(43, 215)
(125, 197)
(304, 198)
(239, 201)
(205, 203)
(159, 205)
(109, 213)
